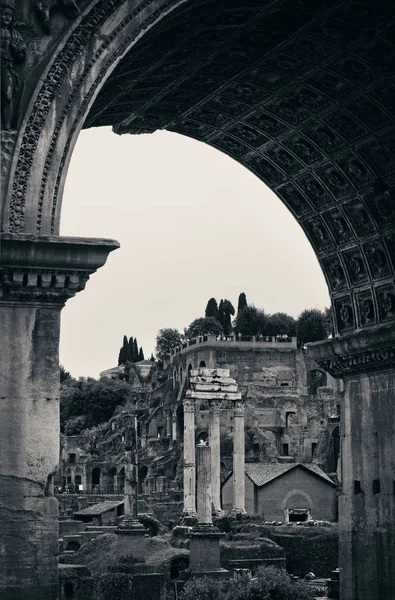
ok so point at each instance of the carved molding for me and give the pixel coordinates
(356, 353)
(39, 285)
(378, 359)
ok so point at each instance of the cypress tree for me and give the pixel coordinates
(135, 356)
(131, 347)
(141, 354)
(242, 303)
(120, 357)
(152, 359)
(220, 317)
(126, 352)
(212, 308)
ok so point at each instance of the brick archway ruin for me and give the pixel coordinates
(299, 92)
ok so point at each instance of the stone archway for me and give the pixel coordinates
(299, 93)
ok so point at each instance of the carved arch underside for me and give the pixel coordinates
(300, 92)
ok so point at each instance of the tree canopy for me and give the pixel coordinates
(225, 313)
(250, 321)
(204, 326)
(311, 326)
(166, 340)
(242, 302)
(94, 400)
(279, 324)
(212, 308)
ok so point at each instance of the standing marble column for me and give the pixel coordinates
(174, 427)
(189, 458)
(203, 469)
(37, 276)
(239, 459)
(215, 445)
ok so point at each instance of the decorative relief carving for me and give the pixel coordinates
(314, 191)
(356, 171)
(345, 125)
(251, 136)
(294, 199)
(368, 112)
(377, 259)
(377, 156)
(265, 170)
(13, 53)
(344, 312)
(338, 226)
(266, 79)
(195, 130)
(335, 272)
(308, 153)
(382, 204)
(359, 218)
(366, 314)
(56, 74)
(287, 111)
(244, 92)
(386, 302)
(39, 285)
(334, 87)
(323, 136)
(319, 235)
(283, 159)
(354, 70)
(44, 9)
(230, 145)
(265, 123)
(356, 266)
(209, 117)
(362, 362)
(334, 180)
(221, 104)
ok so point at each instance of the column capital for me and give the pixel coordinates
(189, 406)
(48, 270)
(239, 407)
(215, 405)
(357, 353)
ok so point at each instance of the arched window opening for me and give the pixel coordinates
(202, 364)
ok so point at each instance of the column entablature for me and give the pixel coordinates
(40, 270)
(357, 353)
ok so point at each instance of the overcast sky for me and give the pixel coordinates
(192, 224)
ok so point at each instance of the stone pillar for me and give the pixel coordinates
(189, 458)
(37, 276)
(366, 362)
(215, 446)
(131, 532)
(168, 425)
(203, 469)
(174, 427)
(239, 459)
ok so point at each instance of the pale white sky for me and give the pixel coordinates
(192, 224)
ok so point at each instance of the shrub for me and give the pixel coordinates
(269, 584)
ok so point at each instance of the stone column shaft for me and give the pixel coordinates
(203, 469)
(37, 276)
(239, 459)
(215, 445)
(173, 428)
(189, 458)
(366, 362)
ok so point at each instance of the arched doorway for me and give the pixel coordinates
(110, 481)
(96, 476)
(143, 471)
(180, 422)
(307, 107)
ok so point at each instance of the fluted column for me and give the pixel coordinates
(37, 276)
(189, 458)
(215, 445)
(203, 469)
(239, 459)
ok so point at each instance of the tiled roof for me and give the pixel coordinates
(262, 473)
(99, 509)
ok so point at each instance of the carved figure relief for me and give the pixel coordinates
(320, 236)
(355, 265)
(359, 218)
(386, 303)
(335, 272)
(335, 181)
(377, 259)
(44, 8)
(303, 149)
(366, 312)
(13, 52)
(266, 170)
(319, 197)
(339, 226)
(344, 314)
(325, 138)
